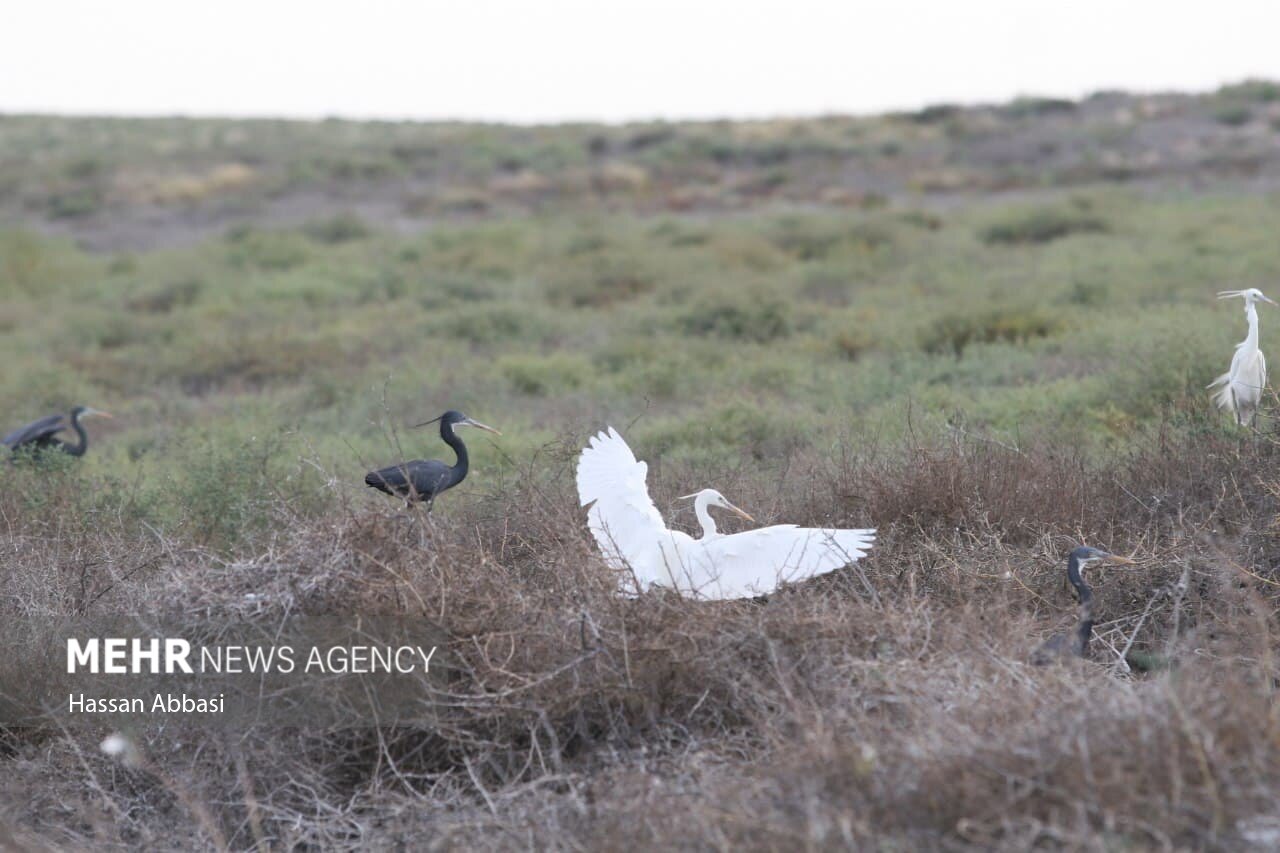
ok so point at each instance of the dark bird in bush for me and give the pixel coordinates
(1076, 644)
(42, 435)
(424, 479)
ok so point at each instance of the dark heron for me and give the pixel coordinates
(1076, 644)
(42, 435)
(424, 479)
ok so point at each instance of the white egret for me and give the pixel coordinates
(1243, 384)
(633, 537)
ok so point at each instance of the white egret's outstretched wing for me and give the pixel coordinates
(622, 517)
(756, 562)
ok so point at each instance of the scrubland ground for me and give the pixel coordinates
(984, 331)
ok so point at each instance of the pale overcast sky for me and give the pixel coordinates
(557, 60)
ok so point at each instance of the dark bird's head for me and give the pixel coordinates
(453, 419)
(82, 412)
(1082, 558)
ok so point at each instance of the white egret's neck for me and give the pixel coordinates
(708, 523)
(1251, 313)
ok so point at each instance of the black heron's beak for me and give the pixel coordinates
(478, 425)
(1114, 560)
(96, 413)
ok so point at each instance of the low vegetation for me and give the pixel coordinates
(988, 377)
(888, 704)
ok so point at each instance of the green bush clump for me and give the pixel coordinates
(1259, 91)
(167, 297)
(1041, 225)
(482, 323)
(855, 342)
(24, 258)
(1035, 107)
(935, 113)
(596, 279)
(812, 239)
(954, 332)
(539, 376)
(1233, 115)
(757, 318)
(75, 203)
(729, 431)
(226, 487)
(250, 361)
(340, 228)
(922, 219)
(267, 250)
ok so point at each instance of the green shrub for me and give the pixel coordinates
(954, 332)
(380, 285)
(855, 342)
(250, 361)
(922, 219)
(340, 228)
(1041, 225)
(1260, 91)
(1233, 115)
(1088, 293)
(754, 317)
(1036, 107)
(539, 376)
(167, 297)
(267, 250)
(597, 279)
(935, 113)
(24, 260)
(730, 432)
(75, 203)
(84, 168)
(225, 488)
(481, 323)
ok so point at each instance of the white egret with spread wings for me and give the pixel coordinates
(634, 538)
(1243, 384)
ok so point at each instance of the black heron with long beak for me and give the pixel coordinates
(423, 480)
(42, 435)
(1076, 644)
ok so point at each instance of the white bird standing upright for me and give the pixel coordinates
(633, 537)
(1243, 384)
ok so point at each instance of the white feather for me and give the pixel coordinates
(1241, 387)
(632, 536)
(622, 518)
